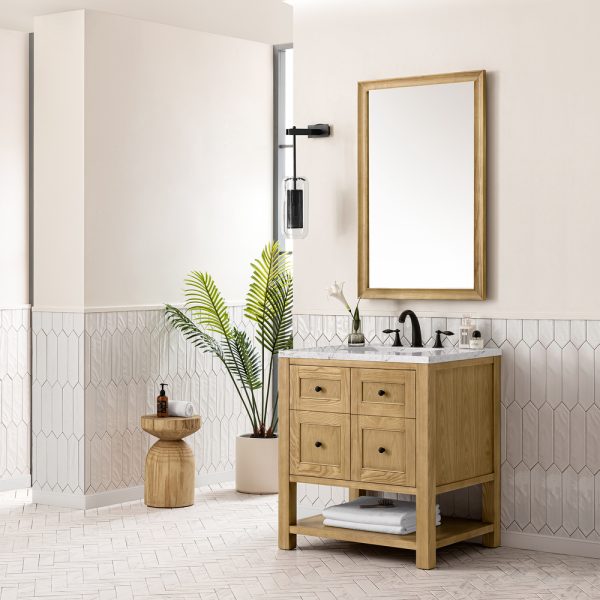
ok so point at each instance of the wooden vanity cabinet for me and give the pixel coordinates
(420, 429)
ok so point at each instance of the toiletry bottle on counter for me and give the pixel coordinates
(465, 332)
(476, 342)
(162, 402)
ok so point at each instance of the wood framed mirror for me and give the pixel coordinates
(422, 187)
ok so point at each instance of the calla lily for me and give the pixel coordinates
(356, 338)
(336, 290)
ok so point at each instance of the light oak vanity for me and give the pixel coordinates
(418, 421)
(413, 421)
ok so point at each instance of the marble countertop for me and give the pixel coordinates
(390, 354)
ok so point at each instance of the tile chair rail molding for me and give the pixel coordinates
(94, 375)
(550, 425)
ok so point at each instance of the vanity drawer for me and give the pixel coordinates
(383, 450)
(322, 389)
(383, 392)
(320, 444)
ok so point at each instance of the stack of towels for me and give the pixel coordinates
(399, 519)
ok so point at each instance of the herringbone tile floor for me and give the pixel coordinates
(225, 547)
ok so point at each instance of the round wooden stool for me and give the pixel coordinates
(170, 473)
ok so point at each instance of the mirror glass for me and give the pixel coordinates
(419, 227)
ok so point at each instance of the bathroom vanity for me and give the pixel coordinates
(417, 421)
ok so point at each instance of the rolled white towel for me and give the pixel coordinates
(180, 408)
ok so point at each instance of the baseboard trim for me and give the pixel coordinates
(210, 478)
(119, 496)
(58, 499)
(548, 543)
(131, 494)
(88, 501)
(16, 483)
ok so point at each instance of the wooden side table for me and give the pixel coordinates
(170, 473)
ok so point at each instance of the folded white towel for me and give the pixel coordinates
(375, 528)
(402, 514)
(180, 408)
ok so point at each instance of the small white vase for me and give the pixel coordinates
(256, 465)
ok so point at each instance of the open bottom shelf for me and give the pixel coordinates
(451, 530)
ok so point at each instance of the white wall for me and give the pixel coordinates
(15, 382)
(178, 159)
(164, 152)
(544, 126)
(59, 160)
(14, 165)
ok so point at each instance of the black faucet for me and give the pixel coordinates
(417, 341)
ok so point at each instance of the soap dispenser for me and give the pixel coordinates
(465, 331)
(162, 402)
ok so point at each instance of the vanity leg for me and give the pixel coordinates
(490, 510)
(353, 493)
(287, 489)
(426, 531)
(287, 515)
(425, 473)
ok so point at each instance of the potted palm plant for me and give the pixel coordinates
(205, 322)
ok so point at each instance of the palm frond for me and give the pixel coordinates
(268, 294)
(191, 332)
(243, 360)
(206, 304)
(277, 330)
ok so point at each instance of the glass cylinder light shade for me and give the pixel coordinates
(295, 207)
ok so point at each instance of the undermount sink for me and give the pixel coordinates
(389, 353)
(402, 349)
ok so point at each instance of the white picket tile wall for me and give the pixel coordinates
(96, 374)
(57, 401)
(15, 389)
(550, 419)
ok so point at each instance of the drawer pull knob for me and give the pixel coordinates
(318, 388)
(381, 450)
(381, 393)
(318, 444)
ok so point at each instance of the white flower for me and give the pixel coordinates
(336, 290)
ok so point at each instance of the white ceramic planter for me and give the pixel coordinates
(256, 465)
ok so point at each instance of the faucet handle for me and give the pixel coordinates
(438, 338)
(397, 341)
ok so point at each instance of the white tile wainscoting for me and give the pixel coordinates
(15, 388)
(94, 375)
(550, 424)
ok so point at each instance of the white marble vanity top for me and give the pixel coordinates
(390, 354)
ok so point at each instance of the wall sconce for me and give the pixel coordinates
(295, 205)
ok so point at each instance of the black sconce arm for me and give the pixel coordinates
(319, 130)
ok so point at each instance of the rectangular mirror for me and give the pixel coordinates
(421, 184)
